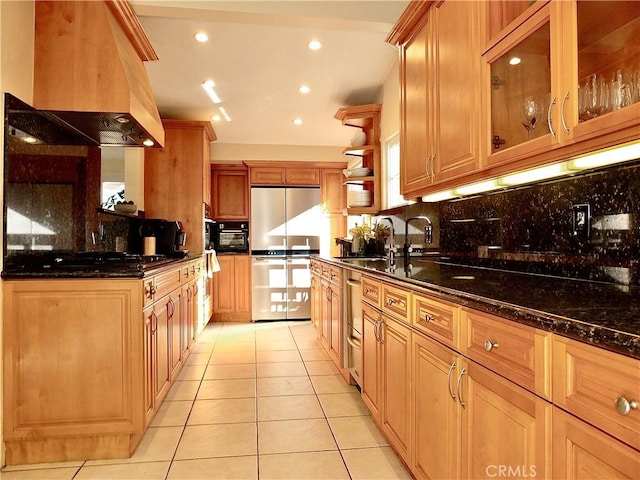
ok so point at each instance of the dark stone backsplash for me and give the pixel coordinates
(532, 229)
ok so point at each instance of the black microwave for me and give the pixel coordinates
(231, 237)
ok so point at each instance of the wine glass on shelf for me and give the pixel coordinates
(531, 109)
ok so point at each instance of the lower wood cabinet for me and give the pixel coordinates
(232, 289)
(372, 361)
(503, 426)
(88, 362)
(436, 412)
(396, 378)
(582, 451)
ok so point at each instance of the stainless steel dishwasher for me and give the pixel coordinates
(353, 324)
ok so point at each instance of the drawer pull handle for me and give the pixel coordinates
(451, 394)
(391, 301)
(625, 406)
(367, 291)
(428, 317)
(489, 345)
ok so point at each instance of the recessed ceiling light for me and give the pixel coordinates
(297, 121)
(201, 37)
(315, 45)
(304, 89)
(216, 118)
(208, 87)
(514, 61)
(224, 113)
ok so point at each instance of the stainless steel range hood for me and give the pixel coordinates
(89, 72)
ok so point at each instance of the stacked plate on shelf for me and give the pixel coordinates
(359, 198)
(357, 172)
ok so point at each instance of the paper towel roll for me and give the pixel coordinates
(149, 245)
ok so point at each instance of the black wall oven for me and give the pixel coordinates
(231, 237)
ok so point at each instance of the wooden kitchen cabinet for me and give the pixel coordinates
(561, 44)
(436, 413)
(333, 191)
(440, 101)
(117, 344)
(316, 297)
(502, 424)
(232, 289)
(582, 451)
(284, 175)
(178, 178)
(230, 192)
(599, 387)
(396, 381)
(372, 362)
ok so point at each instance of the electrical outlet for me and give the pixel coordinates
(581, 220)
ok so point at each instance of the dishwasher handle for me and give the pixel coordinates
(353, 283)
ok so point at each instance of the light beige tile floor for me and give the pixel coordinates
(253, 401)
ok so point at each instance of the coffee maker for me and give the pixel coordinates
(170, 238)
(169, 235)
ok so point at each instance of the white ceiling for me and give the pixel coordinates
(257, 54)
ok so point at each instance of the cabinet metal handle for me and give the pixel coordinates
(150, 290)
(154, 322)
(381, 331)
(428, 317)
(451, 394)
(355, 283)
(564, 121)
(354, 344)
(367, 291)
(549, 123)
(433, 166)
(489, 345)
(462, 372)
(391, 301)
(171, 310)
(624, 406)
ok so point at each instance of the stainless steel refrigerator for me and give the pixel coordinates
(285, 230)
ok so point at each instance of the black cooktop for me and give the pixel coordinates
(84, 261)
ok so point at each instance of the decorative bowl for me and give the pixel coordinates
(126, 207)
(359, 139)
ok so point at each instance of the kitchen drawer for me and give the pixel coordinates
(166, 282)
(325, 270)
(316, 267)
(518, 352)
(371, 291)
(396, 302)
(437, 319)
(335, 275)
(593, 383)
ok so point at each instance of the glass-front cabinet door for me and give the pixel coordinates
(564, 72)
(522, 89)
(603, 87)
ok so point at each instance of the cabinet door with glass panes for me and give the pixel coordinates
(562, 73)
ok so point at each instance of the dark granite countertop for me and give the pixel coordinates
(104, 270)
(603, 314)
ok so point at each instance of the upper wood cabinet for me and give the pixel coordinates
(366, 118)
(562, 80)
(178, 178)
(294, 176)
(440, 83)
(333, 191)
(229, 192)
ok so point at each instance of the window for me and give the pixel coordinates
(391, 160)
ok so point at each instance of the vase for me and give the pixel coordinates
(355, 245)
